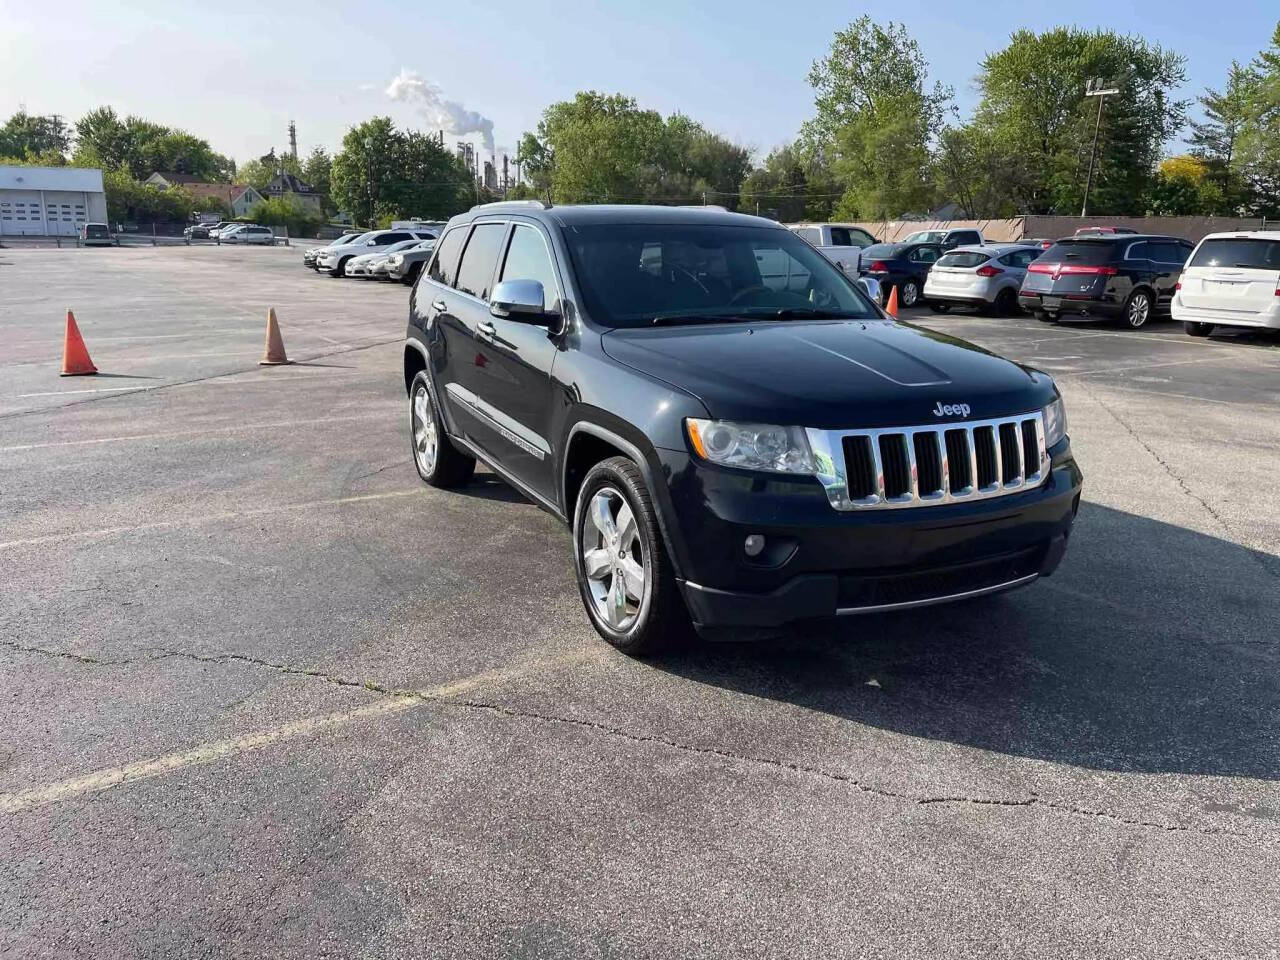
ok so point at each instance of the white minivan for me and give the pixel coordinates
(1231, 280)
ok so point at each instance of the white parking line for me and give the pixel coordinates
(60, 393)
(275, 425)
(207, 518)
(109, 777)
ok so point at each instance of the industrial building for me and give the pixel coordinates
(50, 201)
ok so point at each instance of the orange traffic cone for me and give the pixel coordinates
(273, 355)
(75, 358)
(891, 308)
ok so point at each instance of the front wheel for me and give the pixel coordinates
(340, 269)
(1197, 329)
(1138, 309)
(624, 575)
(411, 274)
(438, 461)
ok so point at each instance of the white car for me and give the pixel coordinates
(841, 243)
(1231, 280)
(948, 239)
(309, 256)
(334, 259)
(247, 233)
(366, 265)
(983, 277)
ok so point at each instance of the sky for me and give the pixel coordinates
(236, 73)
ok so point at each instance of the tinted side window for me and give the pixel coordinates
(389, 238)
(840, 237)
(444, 265)
(475, 274)
(923, 254)
(527, 259)
(961, 237)
(1166, 251)
(1136, 251)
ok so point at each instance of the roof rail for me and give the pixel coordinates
(526, 204)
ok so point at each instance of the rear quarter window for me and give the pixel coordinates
(1239, 252)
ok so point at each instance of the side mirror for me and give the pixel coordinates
(871, 287)
(519, 300)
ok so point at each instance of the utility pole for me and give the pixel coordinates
(1094, 88)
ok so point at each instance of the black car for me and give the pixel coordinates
(1120, 276)
(736, 435)
(900, 265)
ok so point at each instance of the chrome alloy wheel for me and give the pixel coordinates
(1139, 310)
(426, 444)
(613, 559)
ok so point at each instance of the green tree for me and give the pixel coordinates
(795, 182)
(1257, 157)
(287, 212)
(1038, 124)
(144, 148)
(1184, 186)
(317, 171)
(1214, 139)
(35, 139)
(132, 201)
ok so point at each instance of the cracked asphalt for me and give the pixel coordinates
(266, 695)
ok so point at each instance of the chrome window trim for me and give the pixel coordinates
(832, 472)
(943, 598)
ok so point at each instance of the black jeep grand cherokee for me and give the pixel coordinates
(736, 434)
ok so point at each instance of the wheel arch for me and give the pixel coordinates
(415, 361)
(588, 443)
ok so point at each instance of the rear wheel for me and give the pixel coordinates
(1197, 329)
(624, 576)
(908, 293)
(1006, 304)
(438, 461)
(1137, 309)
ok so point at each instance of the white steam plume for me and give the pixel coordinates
(447, 115)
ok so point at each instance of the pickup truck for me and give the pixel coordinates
(841, 243)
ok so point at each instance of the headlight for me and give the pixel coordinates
(396, 260)
(1055, 422)
(752, 446)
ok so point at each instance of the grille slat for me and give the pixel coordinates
(927, 465)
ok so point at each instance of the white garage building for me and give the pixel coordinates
(50, 201)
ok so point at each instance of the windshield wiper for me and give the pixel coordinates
(671, 319)
(810, 313)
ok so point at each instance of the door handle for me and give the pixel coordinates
(486, 330)
(438, 305)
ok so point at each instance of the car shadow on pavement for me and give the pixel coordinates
(1153, 649)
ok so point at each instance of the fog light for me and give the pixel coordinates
(753, 545)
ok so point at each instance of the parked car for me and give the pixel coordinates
(96, 235)
(1231, 280)
(407, 264)
(334, 259)
(247, 233)
(309, 255)
(982, 277)
(841, 243)
(901, 265)
(1129, 277)
(725, 448)
(947, 239)
(217, 229)
(1101, 231)
(198, 231)
(364, 266)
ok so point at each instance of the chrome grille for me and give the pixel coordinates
(926, 465)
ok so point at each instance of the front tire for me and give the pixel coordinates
(340, 269)
(1137, 309)
(412, 274)
(438, 461)
(1197, 329)
(624, 576)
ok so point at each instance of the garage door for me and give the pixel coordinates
(21, 213)
(64, 213)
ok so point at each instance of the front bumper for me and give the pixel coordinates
(819, 562)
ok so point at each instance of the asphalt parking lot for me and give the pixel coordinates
(266, 694)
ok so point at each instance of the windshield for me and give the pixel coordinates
(345, 238)
(361, 238)
(402, 245)
(1254, 254)
(926, 236)
(632, 274)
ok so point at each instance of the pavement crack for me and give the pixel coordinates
(74, 657)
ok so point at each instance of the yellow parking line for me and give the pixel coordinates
(189, 433)
(109, 777)
(207, 518)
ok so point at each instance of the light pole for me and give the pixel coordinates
(369, 179)
(1094, 88)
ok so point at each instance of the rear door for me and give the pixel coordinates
(1237, 274)
(1166, 258)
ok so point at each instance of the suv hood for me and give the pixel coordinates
(830, 374)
